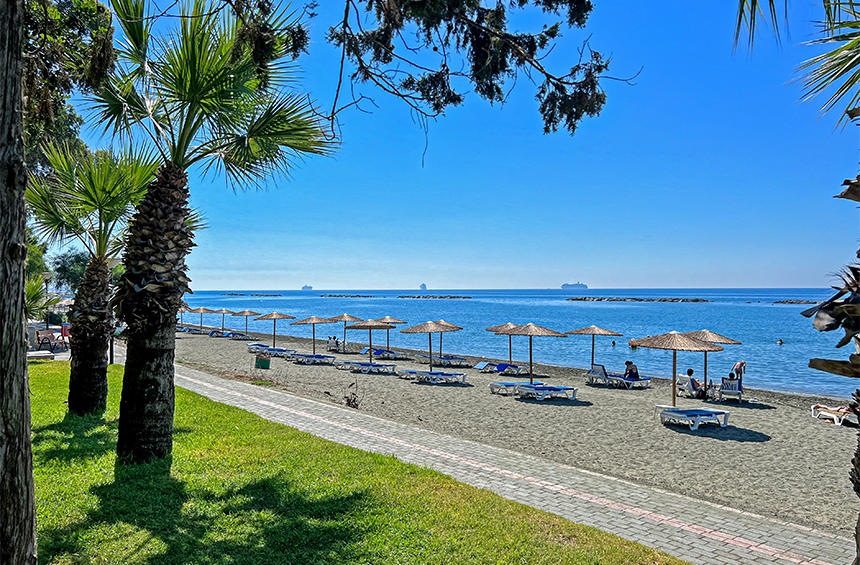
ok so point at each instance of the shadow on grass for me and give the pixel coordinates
(79, 437)
(729, 433)
(262, 521)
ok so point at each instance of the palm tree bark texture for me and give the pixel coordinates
(17, 506)
(91, 326)
(147, 299)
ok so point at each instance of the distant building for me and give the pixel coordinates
(574, 286)
(423, 286)
(307, 287)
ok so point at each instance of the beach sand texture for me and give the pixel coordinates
(774, 459)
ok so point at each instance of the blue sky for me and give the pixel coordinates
(707, 172)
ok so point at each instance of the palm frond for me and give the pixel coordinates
(135, 23)
(838, 68)
(270, 138)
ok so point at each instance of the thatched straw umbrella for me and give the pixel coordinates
(500, 328)
(345, 318)
(313, 321)
(430, 328)
(593, 331)
(451, 328)
(182, 310)
(711, 337)
(246, 314)
(389, 320)
(201, 310)
(675, 342)
(223, 312)
(531, 330)
(370, 325)
(275, 316)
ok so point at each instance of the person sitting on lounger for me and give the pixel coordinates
(631, 371)
(698, 389)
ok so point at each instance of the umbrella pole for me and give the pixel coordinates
(674, 374)
(531, 373)
(510, 349)
(344, 336)
(430, 348)
(246, 324)
(388, 340)
(592, 350)
(314, 338)
(201, 320)
(222, 322)
(706, 372)
(274, 329)
(440, 344)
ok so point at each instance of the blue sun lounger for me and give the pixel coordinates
(507, 389)
(195, 331)
(217, 333)
(239, 336)
(691, 416)
(544, 392)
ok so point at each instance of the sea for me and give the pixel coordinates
(748, 315)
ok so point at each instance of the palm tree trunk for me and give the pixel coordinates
(855, 471)
(91, 325)
(17, 506)
(148, 297)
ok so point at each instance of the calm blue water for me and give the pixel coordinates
(748, 315)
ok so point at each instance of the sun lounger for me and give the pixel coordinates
(380, 368)
(279, 352)
(485, 367)
(507, 389)
(317, 359)
(513, 370)
(731, 388)
(239, 336)
(196, 331)
(254, 347)
(836, 414)
(438, 377)
(388, 354)
(451, 361)
(217, 333)
(599, 374)
(691, 417)
(544, 392)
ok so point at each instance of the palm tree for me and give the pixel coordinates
(89, 198)
(209, 94)
(37, 301)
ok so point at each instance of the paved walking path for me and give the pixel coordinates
(693, 530)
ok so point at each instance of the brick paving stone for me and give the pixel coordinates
(695, 530)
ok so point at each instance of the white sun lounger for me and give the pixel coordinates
(692, 416)
(836, 414)
(598, 373)
(313, 359)
(506, 389)
(544, 392)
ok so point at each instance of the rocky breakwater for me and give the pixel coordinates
(797, 302)
(630, 299)
(434, 297)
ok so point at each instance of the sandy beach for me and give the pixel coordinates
(773, 459)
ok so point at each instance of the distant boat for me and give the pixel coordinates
(422, 286)
(307, 287)
(574, 286)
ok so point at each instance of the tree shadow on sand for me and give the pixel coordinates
(79, 437)
(263, 521)
(729, 433)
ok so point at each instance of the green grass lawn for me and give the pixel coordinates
(244, 490)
